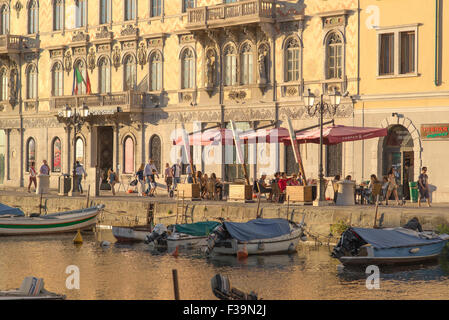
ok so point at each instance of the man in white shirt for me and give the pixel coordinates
(148, 171)
(80, 173)
(45, 169)
(176, 173)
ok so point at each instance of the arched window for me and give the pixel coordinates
(130, 9)
(246, 60)
(79, 150)
(56, 163)
(5, 20)
(334, 56)
(188, 69)
(105, 11)
(155, 151)
(33, 16)
(156, 8)
(156, 71)
(31, 75)
(104, 76)
(4, 84)
(292, 60)
(31, 153)
(81, 66)
(58, 14)
(57, 79)
(129, 76)
(230, 65)
(128, 155)
(81, 13)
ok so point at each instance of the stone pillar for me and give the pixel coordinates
(116, 149)
(7, 154)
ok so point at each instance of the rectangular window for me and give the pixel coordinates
(407, 62)
(156, 8)
(130, 10)
(81, 14)
(105, 9)
(58, 16)
(334, 159)
(386, 54)
(187, 4)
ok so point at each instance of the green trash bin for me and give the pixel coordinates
(413, 191)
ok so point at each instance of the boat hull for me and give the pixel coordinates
(59, 223)
(285, 244)
(186, 241)
(398, 256)
(131, 234)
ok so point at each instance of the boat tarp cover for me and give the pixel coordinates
(258, 229)
(197, 229)
(383, 239)
(6, 211)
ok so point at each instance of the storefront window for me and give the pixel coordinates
(79, 150)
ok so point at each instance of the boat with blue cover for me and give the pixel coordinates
(363, 246)
(258, 236)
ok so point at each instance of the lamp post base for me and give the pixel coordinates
(320, 203)
(74, 193)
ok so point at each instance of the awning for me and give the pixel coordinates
(274, 135)
(339, 134)
(208, 137)
(258, 229)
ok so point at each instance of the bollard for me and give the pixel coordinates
(175, 284)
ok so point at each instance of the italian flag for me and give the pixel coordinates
(78, 79)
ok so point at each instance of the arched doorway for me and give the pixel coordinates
(155, 151)
(398, 153)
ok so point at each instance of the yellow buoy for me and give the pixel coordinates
(78, 238)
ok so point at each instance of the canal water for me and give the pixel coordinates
(138, 272)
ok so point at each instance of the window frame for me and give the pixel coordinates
(234, 71)
(33, 17)
(246, 63)
(126, 11)
(125, 155)
(81, 15)
(61, 78)
(132, 64)
(5, 12)
(31, 71)
(106, 67)
(159, 74)
(58, 7)
(336, 46)
(287, 50)
(192, 69)
(397, 31)
(185, 6)
(108, 13)
(4, 84)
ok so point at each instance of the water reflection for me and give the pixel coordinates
(138, 271)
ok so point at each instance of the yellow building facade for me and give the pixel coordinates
(155, 66)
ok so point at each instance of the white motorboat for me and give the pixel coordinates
(131, 234)
(259, 236)
(32, 288)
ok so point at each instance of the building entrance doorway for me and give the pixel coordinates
(105, 159)
(398, 153)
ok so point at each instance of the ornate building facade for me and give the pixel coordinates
(155, 65)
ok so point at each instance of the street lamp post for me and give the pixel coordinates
(321, 108)
(76, 119)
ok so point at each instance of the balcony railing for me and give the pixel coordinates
(129, 101)
(231, 14)
(9, 43)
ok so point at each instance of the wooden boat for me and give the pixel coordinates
(32, 288)
(189, 235)
(60, 222)
(131, 234)
(221, 288)
(259, 236)
(392, 246)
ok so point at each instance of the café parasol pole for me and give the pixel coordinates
(296, 151)
(239, 151)
(185, 137)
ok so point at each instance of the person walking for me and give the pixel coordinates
(423, 187)
(141, 179)
(113, 179)
(392, 186)
(147, 172)
(153, 183)
(168, 177)
(33, 174)
(80, 173)
(176, 170)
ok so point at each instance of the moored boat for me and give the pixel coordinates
(131, 234)
(391, 246)
(67, 221)
(32, 288)
(184, 235)
(259, 236)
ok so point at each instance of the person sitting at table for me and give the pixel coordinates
(348, 178)
(218, 185)
(203, 184)
(282, 183)
(294, 181)
(366, 193)
(335, 186)
(262, 187)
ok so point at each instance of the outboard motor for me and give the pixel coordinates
(159, 232)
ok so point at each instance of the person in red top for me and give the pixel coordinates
(283, 182)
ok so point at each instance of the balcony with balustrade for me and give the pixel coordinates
(16, 44)
(126, 102)
(231, 14)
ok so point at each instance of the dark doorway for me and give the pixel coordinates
(105, 154)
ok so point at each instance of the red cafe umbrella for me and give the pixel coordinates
(266, 135)
(339, 134)
(208, 137)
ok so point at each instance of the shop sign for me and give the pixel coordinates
(435, 131)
